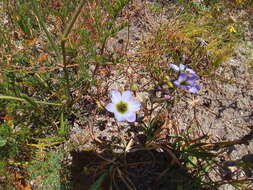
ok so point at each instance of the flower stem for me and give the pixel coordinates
(63, 42)
(73, 20)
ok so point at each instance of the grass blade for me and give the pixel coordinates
(24, 100)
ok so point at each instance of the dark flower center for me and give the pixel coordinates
(184, 82)
(122, 107)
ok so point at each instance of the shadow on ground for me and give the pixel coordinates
(141, 170)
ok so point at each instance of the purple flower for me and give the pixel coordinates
(181, 68)
(123, 106)
(187, 81)
(187, 78)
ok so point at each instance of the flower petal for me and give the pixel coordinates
(174, 67)
(127, 95)
(182, 77)
(119, 117)
(190, 71)
(116, 96)
(177, 82)
(192, 77)
(194, 88)
(131, 117)
(182, 67)
(110, 107)
(134, 106)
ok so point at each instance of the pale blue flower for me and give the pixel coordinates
(181, 68)
(187, 81)
(123, 106)
(187, 78)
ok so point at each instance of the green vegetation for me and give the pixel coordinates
(46, 50)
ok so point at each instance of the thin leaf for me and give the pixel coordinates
(24, 100)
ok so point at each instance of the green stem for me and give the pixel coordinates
(63, 41)
(66, 74)
(73, 20)
(24, 100)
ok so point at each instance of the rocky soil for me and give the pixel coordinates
(222, 109)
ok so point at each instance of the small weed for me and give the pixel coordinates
(45, 172)
(202, 41)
